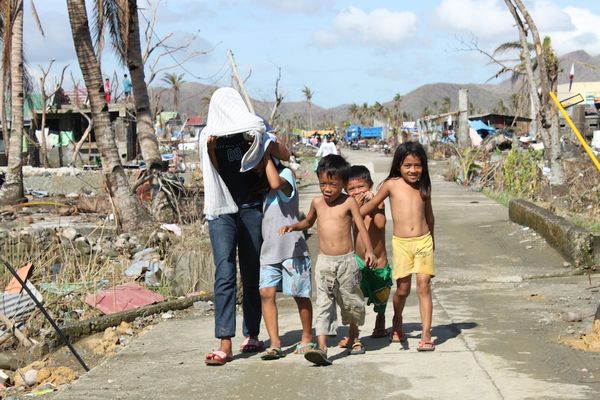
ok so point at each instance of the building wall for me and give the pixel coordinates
(588, 90)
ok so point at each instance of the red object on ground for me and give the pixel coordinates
(14, 287)
(122, 297)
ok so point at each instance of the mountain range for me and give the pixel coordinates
(483, 97)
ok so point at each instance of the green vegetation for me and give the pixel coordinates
(521, 174)
(586, 223)
(501, 197)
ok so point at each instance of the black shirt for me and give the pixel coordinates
(245, 187)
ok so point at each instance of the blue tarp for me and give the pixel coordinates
(479, 125)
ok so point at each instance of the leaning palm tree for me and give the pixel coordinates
(175, 81)
(130, 214)
(12, 190)
(121, 16)
(308, 94)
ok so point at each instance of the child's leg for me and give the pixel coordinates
(400, 295)
(352, 334)
(379, 323)
(305, 310)
(425, 304)
(269, 311)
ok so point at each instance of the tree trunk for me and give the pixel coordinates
(12, 191)
(145, 130)
(44, 146)
(4, 131)
(129, 212)
(549, 121)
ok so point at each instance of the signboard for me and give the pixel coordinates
(571, 101)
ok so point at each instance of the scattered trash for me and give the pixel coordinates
(146, 262)
(38, 193)
(14, 287)
(65, 288)
(122, 297)
(167, 315)
(172, 228)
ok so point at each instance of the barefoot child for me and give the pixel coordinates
(409, 188)
(375, 283)
(284, 262)
(337, 273)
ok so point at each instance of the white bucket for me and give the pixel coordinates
(596, 139)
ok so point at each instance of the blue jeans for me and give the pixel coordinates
(241, 231)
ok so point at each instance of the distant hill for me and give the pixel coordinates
(484, 97)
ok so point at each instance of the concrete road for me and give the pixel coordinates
(500, 298)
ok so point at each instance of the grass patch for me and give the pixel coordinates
(587, 223)
(501, 197)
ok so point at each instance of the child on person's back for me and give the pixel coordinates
(284, 262)
(337, 273)
(376, 282)
(409, 188)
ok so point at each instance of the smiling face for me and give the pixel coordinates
(411, 169)
(331, 187)
(356, 186)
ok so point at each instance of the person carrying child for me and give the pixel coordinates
(284, 262)
(409, 188)
(337, 272)
(376, 282)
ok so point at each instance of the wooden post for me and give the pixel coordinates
(239, 81)
(463, 121)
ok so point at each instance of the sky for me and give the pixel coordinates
(344, 51)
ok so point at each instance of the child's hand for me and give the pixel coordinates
(211, 142)
(370, 259)
(285, 229)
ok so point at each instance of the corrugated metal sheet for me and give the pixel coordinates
(17, 307)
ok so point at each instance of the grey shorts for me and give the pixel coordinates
(338, 281)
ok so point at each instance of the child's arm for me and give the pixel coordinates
(429, 218)
(276, 182)
(306, 223)
(211, 145)
(381, 195)
(370, 259)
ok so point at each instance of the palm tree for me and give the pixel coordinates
(12, 190)
(123, 22)
(446, 105)
(308, 94)
(176, 82)
(353, 110)
(129, 211)
(547, 116)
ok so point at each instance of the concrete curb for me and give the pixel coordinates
(575, 243)
(99, 324)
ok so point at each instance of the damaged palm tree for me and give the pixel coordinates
(546, 116)
(12, 190)
(121, 18)
(129, 211)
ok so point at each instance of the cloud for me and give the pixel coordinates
(485, 19)
(297, 6)
(381, 28)
(583, 36)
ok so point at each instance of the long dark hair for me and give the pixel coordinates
(417, 150)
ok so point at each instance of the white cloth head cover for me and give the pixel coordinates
(227, 115)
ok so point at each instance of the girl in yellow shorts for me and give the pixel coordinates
(409, 188)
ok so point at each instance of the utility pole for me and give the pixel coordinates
(463, 121)
(236, 75)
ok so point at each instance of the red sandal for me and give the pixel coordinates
(217, 358)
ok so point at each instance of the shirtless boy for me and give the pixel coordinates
(337, 272)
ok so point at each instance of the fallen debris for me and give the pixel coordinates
(122, 297)
(586, 342)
